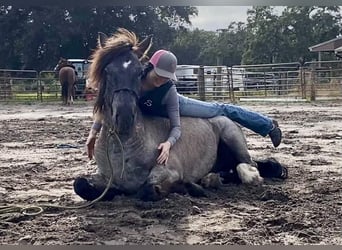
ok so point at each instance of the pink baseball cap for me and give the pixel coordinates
(165, 64)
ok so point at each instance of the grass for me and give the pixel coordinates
(35, 96)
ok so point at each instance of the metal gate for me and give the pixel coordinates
(264, 82)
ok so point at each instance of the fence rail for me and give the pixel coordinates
(321, 80)
(30, 85)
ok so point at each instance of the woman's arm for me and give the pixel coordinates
(172, 106)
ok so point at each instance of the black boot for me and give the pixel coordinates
(275, 134)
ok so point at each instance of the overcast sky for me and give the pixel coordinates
(219, 17)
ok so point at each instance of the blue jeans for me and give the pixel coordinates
(254, 121)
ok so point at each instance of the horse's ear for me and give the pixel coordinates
(101, 39)
(144, 46)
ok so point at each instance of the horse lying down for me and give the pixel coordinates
(215, 145)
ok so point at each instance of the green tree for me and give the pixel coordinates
(193, 47)
(12, 26)
(286, 38)
(35, 37)
(263, 36)
(200, 47)
(230, 44)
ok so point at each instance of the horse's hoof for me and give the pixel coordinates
(89, 192)
(212, 180)
(230, 177)
(271, 168)
(195, 190)
(249, 174)
(150, 192)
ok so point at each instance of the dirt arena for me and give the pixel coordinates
(42, 151)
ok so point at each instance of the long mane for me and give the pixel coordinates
(119, 42)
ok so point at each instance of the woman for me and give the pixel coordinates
(159, 97)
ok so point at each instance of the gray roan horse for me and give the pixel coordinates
(205, 146)
(67, 78)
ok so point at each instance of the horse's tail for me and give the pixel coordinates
(271, 168)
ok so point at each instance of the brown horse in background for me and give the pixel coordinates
(67, 78)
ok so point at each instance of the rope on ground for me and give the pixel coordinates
(33, 210)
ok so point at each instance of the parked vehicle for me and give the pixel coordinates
(260, 80)
(237, 78)
(247, 80)
(187, 78)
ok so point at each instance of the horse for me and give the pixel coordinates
(67, 78)
(126, 150)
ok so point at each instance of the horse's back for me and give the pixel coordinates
(195, 132)
(67, 74)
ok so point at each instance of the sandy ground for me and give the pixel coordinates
(42, 151)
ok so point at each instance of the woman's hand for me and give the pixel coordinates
(164, 152)
(91, 144)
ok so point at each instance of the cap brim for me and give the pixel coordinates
(166, 74)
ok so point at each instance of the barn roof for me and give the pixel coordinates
(338, 50)
(327, 46)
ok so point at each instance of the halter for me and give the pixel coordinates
(127, 90)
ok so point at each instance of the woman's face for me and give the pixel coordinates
(156, 80)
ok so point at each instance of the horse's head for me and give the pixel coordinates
(116, 71)
(62, 63)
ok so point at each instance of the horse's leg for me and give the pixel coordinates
(70, 92)
(236, 146)
(91, 187)
(71, 97)
(212, 180)
(64, 92)
(74, 89)
(271, 168)
(161, 181)
(249, 174)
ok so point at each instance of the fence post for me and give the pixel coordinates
(265, 84)
(39, 87)
(313, 82)
(201, 84)
(302, 81)
(230, 84)
(218, 77)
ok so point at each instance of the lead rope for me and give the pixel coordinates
(33, 210)
(112, 132)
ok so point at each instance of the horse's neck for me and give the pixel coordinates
(137, 147)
